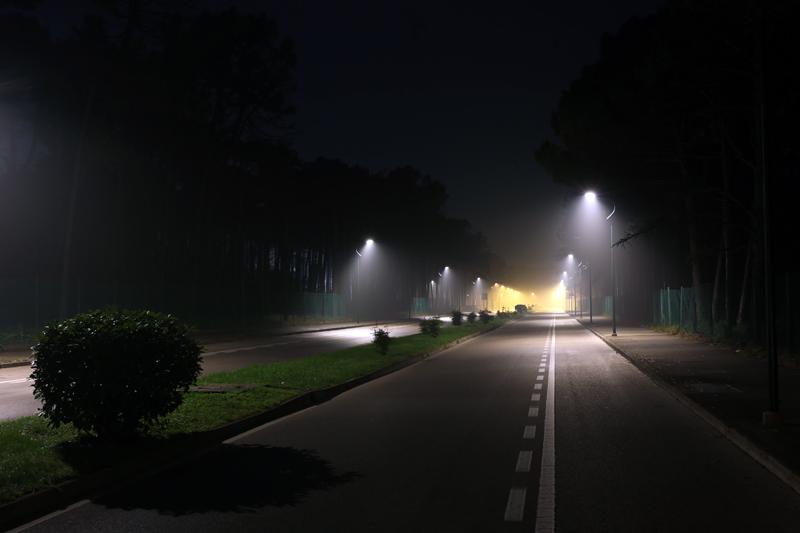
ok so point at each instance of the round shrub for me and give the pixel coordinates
(485, 317)
(456, 317)
(113, 372)
(430, 326)
(381, 340)
(471, 318)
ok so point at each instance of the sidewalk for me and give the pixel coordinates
(726, 389)
(19, 354)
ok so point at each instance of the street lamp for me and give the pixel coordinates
(590, 196)
(358, 281)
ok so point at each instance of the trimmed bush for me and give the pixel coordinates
(471, 318)
(485, 316)
(113, 372)
(456, 317)
(430, 326)
(381, 340)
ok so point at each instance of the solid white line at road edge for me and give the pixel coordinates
(546, 507)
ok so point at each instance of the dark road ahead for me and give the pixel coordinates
(464, 442)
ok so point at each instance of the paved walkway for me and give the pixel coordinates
(727, 389)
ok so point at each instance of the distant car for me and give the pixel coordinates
(521, 308)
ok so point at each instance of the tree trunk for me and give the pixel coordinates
(76, 173)
(694, 250)
(726, 235)
(718, 282)
(745, 282)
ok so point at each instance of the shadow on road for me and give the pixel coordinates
(236, 478)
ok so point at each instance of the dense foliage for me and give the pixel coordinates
(430, 326)
(113, 372)
(672, 123)
(152, 146)
(381, 340)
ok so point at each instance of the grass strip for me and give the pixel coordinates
(35, 456)
(332, 368)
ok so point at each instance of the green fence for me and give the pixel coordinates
(692, 310)
(26, 304)
(689, 309)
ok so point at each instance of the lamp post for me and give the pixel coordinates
(358, 282)
(590, 196)
(579, 297)
(581, 266)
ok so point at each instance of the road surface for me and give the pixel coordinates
(538, 426)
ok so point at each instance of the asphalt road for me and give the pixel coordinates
(461, 442)
(16, 392)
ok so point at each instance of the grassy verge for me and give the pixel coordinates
(34, 456)
(337, 367)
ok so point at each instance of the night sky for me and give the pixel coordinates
(463, 91)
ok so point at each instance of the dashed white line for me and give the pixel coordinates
(536, 397)
(533, 412)
(524, 461)
(516, 504)
(530, 432)
(538, 386)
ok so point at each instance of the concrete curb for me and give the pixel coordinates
(153, 462)
(751, 448)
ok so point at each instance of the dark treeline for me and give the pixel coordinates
(152, 146)
(672, 124)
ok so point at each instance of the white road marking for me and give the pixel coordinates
(524, 461)
(543, 364)
(533, 411)
(536, 397)
(539, 378)
(516, 504)
(538, 386)
(23, 380)
(530, 432)
(249, 348)
(546, 506)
